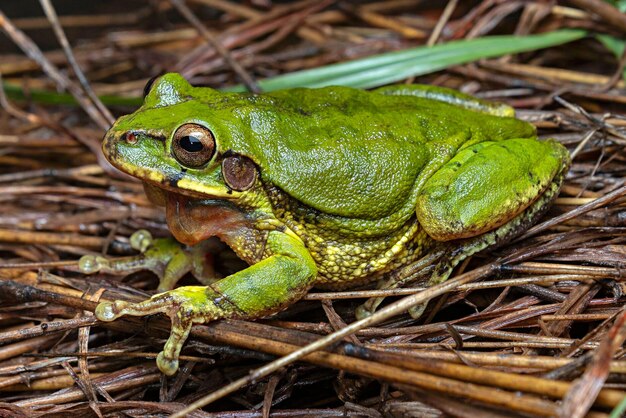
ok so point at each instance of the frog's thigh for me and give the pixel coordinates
(485, 185)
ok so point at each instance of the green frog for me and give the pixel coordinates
(331, 187)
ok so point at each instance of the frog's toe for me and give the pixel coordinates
(106, 311)
(110, 311)
(90, 264)
(167, 366)
(368, 308)
(141, 240)
(167, 360)
(417, 311)
(362, 312)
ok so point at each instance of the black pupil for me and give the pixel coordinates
(191, 144)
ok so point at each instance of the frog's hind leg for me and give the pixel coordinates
(487, 184)
(441, 259)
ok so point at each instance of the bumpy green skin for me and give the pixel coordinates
(352, 185)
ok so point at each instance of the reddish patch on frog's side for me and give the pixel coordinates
(192, 220)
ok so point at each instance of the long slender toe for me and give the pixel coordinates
(167, 366)
(106, 311)
(141, 240)
(90, 264)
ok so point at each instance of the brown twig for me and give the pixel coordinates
(513, 344)
(31, 49)
(605, 10)
(583, 392)
(241, 72)
(58, 31)
(441, 23)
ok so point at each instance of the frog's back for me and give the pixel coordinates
(404, 118)
(358, 154)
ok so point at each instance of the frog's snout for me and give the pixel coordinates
(108, 144)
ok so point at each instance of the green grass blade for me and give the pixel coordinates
(395, 66)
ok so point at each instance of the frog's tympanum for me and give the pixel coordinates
(329, 187)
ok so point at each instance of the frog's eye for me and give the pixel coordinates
(239, 172)
(149, 85)
(193, 145)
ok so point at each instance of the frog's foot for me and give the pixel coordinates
(426, 267)
(185, 306)
(369, 307)
(165, 257)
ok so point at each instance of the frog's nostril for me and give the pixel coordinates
(130, 137)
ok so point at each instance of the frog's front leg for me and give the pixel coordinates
(266, 287)
(165, 257)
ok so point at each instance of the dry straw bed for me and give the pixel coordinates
(533, 328)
